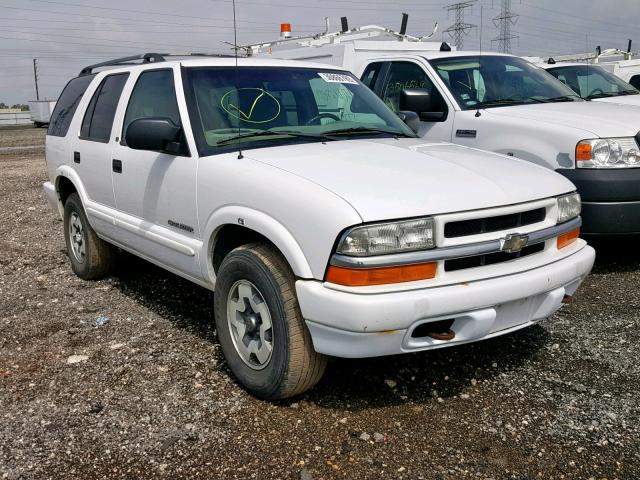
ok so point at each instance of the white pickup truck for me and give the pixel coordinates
(499, 103)
(592, 82)
(324, 225)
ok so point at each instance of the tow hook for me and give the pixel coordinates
(448, 335)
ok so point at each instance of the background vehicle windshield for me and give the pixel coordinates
(264, 106)
(495, 81)
(591, 81)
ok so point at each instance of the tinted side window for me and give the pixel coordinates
(407, 75)
(370, 75)
(635, 81)
(153, 96)
(67, 104)
(98, 119)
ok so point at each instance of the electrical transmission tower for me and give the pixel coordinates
(503, 23)
(459, 29)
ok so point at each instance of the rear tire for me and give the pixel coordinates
(91, 257)
(260, 327)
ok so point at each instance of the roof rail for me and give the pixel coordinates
(145, 58)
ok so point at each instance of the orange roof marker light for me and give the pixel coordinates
(285, 30)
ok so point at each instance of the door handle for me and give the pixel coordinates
(76, 157)
(117, 166)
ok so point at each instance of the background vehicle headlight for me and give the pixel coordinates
(569, 206)
(385, 238)
(608, 153)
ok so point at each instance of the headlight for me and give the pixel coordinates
(385, 238)
(568, 207)
(608, 153)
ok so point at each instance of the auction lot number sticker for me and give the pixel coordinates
(337, 78)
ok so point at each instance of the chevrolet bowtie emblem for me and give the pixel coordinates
(514, 242)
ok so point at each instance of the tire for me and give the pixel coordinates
(91, 257)
(292, 366)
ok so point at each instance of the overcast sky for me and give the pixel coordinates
(67, 34)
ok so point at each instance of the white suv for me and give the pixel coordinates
(324, 226)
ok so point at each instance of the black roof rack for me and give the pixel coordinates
(145, 58)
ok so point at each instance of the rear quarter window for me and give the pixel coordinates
(98, 119)
(67, 104)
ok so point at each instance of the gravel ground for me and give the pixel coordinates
(147, 394)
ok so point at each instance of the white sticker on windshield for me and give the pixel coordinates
(337, 78)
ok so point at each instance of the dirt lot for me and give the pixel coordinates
(149, 395)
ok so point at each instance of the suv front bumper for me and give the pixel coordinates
(610, 199)
(355, 325)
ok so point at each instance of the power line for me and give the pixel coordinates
(503, 22)
(460, 28)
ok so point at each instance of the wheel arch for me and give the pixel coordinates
(232, 226)
(67, 182)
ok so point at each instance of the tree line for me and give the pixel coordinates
(21, 106)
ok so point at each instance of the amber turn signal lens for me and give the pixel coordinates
(359, 277)
(568, 238)
(583, 152)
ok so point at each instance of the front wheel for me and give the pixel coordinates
(260, 328)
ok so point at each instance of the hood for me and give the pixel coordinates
(388, 179)
(620, 100)
(598, 119)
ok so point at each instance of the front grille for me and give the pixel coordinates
(477, 226)
(490, 258)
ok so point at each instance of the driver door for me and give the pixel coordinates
(155, 192)
(402, 74)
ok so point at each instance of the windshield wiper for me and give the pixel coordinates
(564, 98)
(508, 101)
(378, 131)
(629, 92)
(274, 133)
(602, 95)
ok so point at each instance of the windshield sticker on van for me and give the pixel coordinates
(251, 105)
(337, 78)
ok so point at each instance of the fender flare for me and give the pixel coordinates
(71, 175)
(259, 222)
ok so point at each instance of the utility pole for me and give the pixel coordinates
(459, 29)
(503, 23)
(35, 76)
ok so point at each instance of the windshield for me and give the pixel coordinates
(590, 81)
(257, 107)
(495, 81)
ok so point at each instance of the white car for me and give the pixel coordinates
(592, 82)
(503, 104)
(323, 224)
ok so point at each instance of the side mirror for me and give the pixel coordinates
(156, 134)
(420, 101)
(411, 119)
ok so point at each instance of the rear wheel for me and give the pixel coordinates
(260, 328)
(91, 257)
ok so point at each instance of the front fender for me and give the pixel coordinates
(261, 223)
(537, 151)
